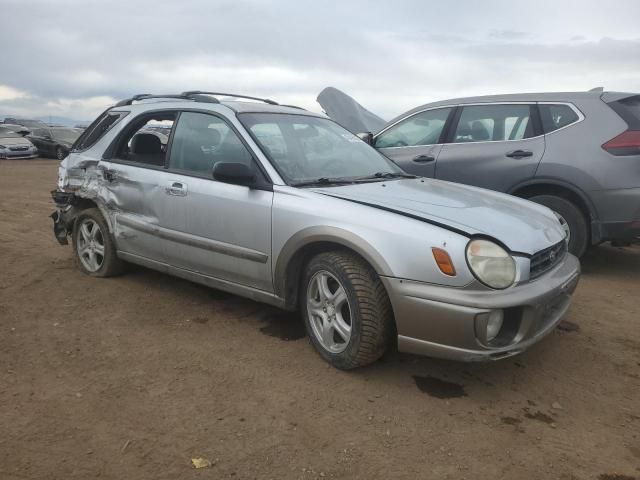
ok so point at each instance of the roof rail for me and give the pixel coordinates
(180, 96)
(198, 92)
(294, 106)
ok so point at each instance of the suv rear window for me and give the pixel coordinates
(97, 129)
(557, 116)
(629, 109)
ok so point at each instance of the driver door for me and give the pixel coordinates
(414, 143)
(214, 228)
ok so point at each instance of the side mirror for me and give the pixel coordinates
(235, 173)
(366, 137)
(24, 133)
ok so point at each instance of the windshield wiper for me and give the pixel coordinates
(350, 180)
(323, 181)
(383, 175)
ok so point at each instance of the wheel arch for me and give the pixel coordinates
(300, 248)
(79, 204)
(550, 186)
(563, 189)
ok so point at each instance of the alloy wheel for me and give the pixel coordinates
(90, 245)
(329, 312)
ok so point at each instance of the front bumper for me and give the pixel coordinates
(440, 321)
(18, 155)
(64, 216)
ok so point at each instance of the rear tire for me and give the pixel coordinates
(576, 221)
(93, 246)
(354, 305)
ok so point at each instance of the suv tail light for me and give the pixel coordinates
(627, 143)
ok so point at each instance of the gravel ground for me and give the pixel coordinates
(132, 377)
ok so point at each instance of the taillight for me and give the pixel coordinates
(627, 143)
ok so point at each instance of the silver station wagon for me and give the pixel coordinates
(286, 207)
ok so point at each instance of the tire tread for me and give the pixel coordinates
(373, 305)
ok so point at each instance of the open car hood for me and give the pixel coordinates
(347, 112)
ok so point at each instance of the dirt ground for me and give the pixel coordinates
(132, 377)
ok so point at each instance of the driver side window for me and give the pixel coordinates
(202, 140)
(422, 128)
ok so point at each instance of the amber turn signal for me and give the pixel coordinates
(444, 261)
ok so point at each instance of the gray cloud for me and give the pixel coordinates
(77, 56)
(508, 34)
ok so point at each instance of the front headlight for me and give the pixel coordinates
(491, 264)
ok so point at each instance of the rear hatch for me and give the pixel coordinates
(627, 106)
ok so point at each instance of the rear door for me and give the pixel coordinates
(135, 179)
(493, 146)
(414, 142)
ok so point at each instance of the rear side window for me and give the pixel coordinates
(97, 129)
(421, 129)
(487, 123)
(629, 109)
(555, 117)
(145, 140)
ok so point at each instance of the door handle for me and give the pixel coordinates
(178, 189)
(519, 154)
(424, 159)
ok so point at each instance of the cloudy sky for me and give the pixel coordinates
(74, 58)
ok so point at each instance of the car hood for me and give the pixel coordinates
(10, 142)
(347, 112)
(522, 226)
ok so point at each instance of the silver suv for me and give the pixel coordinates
(286, 207)
(577, 153)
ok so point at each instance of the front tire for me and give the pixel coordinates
(346, 310)
(93, 246)
(576, 222)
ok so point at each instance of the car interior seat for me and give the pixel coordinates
(146, 148)
(479, 132)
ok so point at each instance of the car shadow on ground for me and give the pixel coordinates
(609, 261)
(437, 378)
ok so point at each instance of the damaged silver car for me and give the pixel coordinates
(286, 207)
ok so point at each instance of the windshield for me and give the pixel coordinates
(69, 135)
(30, 123)
(307, 149)
(8, 133)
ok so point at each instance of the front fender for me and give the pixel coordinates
(325, 234)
